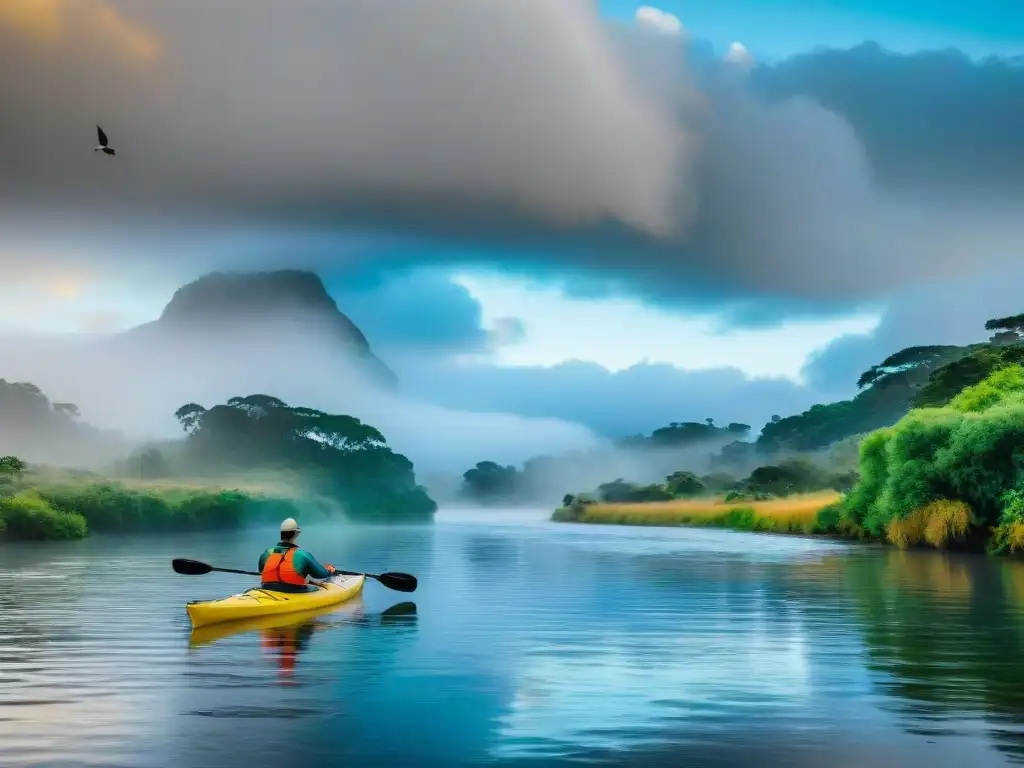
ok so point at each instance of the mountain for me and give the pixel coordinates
(224, 306)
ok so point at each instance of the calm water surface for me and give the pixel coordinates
(530, 644)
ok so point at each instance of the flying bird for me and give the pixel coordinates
(103, 143)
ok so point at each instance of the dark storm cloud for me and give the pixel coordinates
(531, 125)
(935, 119)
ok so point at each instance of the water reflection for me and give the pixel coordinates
(525, 642)
(944, 635)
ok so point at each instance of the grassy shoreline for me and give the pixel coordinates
(803, 514)
(66, 506)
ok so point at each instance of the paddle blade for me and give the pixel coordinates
(190, 567)
(400, 582)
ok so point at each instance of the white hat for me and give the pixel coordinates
(290, 526)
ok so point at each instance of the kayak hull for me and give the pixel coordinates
(211, 633)
(257, 602)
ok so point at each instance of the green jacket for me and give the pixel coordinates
(304, 563)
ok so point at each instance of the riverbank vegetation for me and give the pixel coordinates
(794, 514)
(946, 477)
(38, 504)
(947, 473)
(251, 460)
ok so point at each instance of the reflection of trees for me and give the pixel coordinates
(491, 552)
(947, 633)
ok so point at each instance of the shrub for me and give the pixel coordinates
(941, 471)
(27, 516)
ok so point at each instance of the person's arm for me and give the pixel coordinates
(263, 560)
(310, 567)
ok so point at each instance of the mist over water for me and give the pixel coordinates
(532, 643)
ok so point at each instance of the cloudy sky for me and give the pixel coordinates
(604, 214)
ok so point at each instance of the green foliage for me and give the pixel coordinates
(11, 470)
(684, 485)
(490, 482)
(620, 492)
(28, 516)
(12, 466)
(889, 389)
(971, 451)
(719, 482)
(912, 360)
(974, 366)
(686, 433)
(340, 456)
(1013, 324)
(791, 476)
(112, 508)
(829, 519)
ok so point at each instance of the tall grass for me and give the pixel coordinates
(805, 513)
(938, 524)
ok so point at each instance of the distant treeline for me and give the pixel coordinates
(336, 458)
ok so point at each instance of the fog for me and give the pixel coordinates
(135, 387)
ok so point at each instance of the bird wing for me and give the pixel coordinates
(102, 135)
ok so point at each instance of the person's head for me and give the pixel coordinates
(290, 530)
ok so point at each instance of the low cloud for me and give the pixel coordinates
(136, 387)
(614, 404)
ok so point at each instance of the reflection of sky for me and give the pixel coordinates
(533, 640)
(614, 690)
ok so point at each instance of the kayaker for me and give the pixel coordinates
(287, 568)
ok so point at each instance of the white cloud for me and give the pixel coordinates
(739, 55)
(658, 20)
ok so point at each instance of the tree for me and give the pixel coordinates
(1011, 329)
(190, 415)
(684, 485)
(620, 492)
(894, 369)
(488, 482)
(966, 371)
(11, 469)
(341, 456)
(788, 477)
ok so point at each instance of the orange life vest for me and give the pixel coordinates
(279, 569)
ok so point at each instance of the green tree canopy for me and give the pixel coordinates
(489, 482)
(684, 485)
(346, 458)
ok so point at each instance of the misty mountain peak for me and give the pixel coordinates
(225, 303)
(232, 296)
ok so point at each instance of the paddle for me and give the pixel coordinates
(400, 582)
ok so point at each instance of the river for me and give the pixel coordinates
(531, 643)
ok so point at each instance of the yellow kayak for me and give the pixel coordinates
(258, 602)
(211, 633)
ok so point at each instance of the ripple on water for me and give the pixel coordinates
(531, 642)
